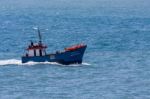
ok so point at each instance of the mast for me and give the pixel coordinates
(39, 34)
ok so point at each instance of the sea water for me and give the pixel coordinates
(116, 64)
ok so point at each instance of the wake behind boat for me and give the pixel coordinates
(36, 52)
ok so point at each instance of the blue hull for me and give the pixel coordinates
(66, 57)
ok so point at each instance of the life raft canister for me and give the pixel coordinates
(74, 47)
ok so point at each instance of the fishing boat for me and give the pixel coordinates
(36, 52)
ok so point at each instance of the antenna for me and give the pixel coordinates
(39, 34)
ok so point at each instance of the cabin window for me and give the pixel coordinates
(52, 56)
(37, 52)
(43, 52)
(31, 52)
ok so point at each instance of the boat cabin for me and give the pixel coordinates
(36, 49)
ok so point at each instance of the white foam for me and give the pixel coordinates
(10, 62)
(35, 63)
(86, 64)
(54, 63)
(18, 62)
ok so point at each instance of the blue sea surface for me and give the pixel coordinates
(116, 64)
